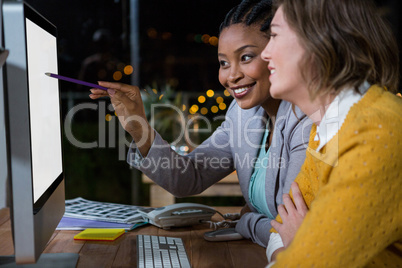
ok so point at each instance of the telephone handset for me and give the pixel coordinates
(180, 214)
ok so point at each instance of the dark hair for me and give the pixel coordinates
(346, 42)
(250, 12)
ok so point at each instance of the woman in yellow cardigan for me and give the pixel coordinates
(337, 61)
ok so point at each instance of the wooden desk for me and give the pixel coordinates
(122, 252)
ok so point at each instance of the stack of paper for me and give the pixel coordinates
(82, 214)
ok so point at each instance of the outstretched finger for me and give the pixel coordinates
(298, 199)
(98, 93)
(120, 87)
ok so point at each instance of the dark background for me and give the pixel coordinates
(193, 65)
(177, 24)
(171, 54)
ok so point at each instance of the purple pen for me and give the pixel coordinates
(76, 81)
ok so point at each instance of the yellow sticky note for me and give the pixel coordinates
(99, 234)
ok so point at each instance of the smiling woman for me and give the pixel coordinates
(344, 74)
(242, 71)
(261, 138)
(285, 74)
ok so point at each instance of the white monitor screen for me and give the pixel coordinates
(44, 105)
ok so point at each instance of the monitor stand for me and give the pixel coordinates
(48, 260)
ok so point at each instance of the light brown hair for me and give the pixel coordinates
(346, 42)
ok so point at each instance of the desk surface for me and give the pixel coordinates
(122, 252)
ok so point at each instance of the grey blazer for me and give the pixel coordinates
(234, 146)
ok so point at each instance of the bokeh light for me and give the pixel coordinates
(214, 41)
(152, 33)
(204, 110)
(166, 35)
(214, 109)
(198, 38)
(108, 117)
(226, 93)
(194, 108)
(210, 93)
(205, 38)
(219, 100)
(128, 70)
(201, 99)
(117, 75)
(222, 106)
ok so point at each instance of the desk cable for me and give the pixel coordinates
(230, 221)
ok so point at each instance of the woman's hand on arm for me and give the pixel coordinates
(292, 215)
(127, 102)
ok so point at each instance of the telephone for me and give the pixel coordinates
(176, 215)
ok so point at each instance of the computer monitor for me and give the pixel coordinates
(33, 132)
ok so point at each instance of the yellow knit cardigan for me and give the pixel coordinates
(352, 187)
